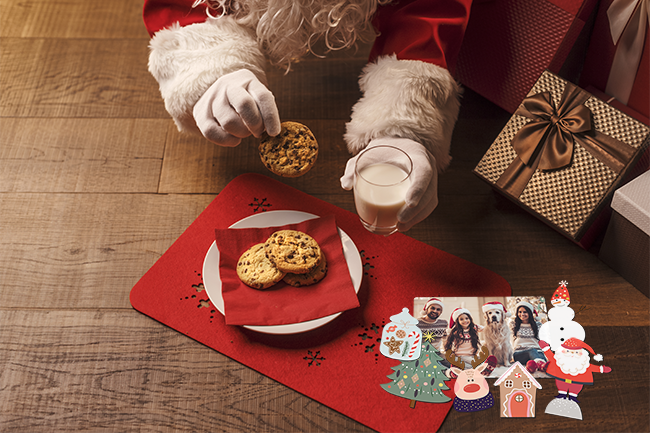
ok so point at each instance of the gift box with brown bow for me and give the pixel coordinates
(562, 155)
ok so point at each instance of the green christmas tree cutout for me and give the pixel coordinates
(422, 379)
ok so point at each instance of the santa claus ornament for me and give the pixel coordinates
(572, 370)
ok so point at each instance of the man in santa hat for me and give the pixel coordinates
(571, 368)
(208, 57)
(430, 322)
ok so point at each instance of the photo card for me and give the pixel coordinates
(497, 331)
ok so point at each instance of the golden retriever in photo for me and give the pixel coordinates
(497, 336)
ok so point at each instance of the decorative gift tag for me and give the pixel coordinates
(401, 338)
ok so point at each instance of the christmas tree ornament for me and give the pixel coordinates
(423, 379)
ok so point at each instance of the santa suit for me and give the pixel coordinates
(408, 90)
(569, 383)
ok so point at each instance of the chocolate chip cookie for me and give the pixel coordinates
(292, 152)
(255, 270)
(311, 277)
(293, 251)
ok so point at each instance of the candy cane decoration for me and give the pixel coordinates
(415, 343)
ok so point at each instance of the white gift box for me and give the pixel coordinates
(626, 246)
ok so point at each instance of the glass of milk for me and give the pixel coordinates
(382, 178)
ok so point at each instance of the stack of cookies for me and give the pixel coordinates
(288, 255)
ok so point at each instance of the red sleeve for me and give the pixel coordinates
(160, 14)
(594, 368)
(427, 30)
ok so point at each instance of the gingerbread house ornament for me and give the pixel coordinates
(518, 389)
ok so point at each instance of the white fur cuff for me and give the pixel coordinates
(406, 99)
(187, 60)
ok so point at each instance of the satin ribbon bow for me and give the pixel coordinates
(628, 21)
(551, 131)
(547, 142)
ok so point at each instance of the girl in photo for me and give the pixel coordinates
(525, 335)
(463, 341)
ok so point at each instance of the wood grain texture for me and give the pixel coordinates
(99, 78)
(85, 250)
(113, 370)
(116, 371)
(81, 155)
(96, 183)
(89, 19)
(192, 164)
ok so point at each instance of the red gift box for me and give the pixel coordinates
(601, 69)
(509, 43)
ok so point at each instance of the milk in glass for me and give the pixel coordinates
(379, 194)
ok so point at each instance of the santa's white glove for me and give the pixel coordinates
(422, 196)
(234, 107)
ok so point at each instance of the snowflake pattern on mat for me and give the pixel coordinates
(367, 266)
(203, 303)
(259, 205)
(313, 358)
(369, 338)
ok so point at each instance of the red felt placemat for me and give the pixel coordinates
(338, 364)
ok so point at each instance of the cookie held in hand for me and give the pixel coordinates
(292, 251)
(255, 270)
(311, 277)
(292, 152)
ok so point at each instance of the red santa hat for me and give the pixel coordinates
(527, 305)
(575, 344)
(495, 305)
(433, 301)
(561, 295)
(457, 312)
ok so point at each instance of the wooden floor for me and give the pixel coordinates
(96, 184)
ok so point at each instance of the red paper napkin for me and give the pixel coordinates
(282, 303)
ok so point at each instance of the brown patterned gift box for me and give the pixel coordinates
(562, 155)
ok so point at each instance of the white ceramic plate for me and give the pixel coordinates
(277, 218)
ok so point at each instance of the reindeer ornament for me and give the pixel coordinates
(471, 389)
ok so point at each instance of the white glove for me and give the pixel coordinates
(422, 196)
(234, 107)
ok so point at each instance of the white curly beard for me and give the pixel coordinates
(572, 365)
(288, 29)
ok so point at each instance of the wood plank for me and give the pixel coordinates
(85, 250)
(109, 78)
(72, 19)
(81, 155)
(193, 164)
(318, 88)
(119, 371)
(79, 269)
(77, 78)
